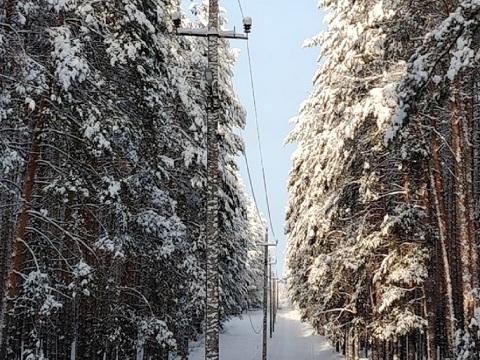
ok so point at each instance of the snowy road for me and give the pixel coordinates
(292, 340)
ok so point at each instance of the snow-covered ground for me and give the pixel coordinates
(241, 339)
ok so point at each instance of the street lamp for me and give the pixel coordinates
(247, 24)
(177, 19)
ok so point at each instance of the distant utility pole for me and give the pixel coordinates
(275, 299)
(213, 33)
(265, 294)
(272, 311)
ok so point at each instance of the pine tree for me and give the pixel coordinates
(384, 181)
(103, 180)
(357, 240)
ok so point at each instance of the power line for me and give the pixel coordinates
(252, 83)
(241, 8)
(258, 138)
(259, 143)
(253, 327)
(251, 184)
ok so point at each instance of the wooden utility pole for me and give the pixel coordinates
(212, 351)
(272, 297)
(275, 299)
(213, 35)
(265, 294)
(265, 297)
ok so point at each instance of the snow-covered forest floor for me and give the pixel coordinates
(241, 339)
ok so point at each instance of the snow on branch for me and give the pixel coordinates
(70, 66)
(452, 36)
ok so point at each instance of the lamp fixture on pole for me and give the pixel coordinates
(247, 24)
(177, 19)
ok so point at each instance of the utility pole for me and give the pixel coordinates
(265, 294)
(272, 311)
(271, 298)
(212, 33)
(278, 297)
(212, 350)
(275, 299)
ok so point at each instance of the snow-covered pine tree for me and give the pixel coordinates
(351, 209)
(103, 156)
(255, 256)
(401, 215)
(105, 102)
(439, 94)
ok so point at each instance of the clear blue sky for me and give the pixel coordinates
(282, 72)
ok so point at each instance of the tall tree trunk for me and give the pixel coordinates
(464, 234)
(476, 168)
(18, 244)
(19, 247)
(432, 294)
(5, 251)
(469, 130)
(436, 180)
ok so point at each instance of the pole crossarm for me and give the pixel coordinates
(224, 34)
